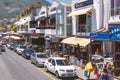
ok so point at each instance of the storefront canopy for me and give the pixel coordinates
(101, 34)
(79, 12)
(75, 40)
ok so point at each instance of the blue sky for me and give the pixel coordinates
(59, 0)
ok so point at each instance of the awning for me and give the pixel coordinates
(75, 40)
(101, 34)
(79, 12)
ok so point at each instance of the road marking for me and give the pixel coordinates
(46, 74)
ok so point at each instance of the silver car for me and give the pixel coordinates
(38, 59)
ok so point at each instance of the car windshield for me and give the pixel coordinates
(22, 46)
(41, 56)
(62, 62)
(29, 50)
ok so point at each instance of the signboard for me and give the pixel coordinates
(54, 39)
(100, 36)
(83, 4)
(34, 35)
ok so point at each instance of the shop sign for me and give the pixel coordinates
(83, 4)
(113, 26)
(115, 32)
(47, 37)
(55, 39)
(100, 36)
(34, 35)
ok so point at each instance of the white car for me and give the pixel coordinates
(20, 49)
(60, 67)
(38, 58)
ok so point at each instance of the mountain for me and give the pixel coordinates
(11, 8)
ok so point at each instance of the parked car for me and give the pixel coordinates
(20, 49)
(9, 44)
(27, 52)
(97, 58)
(3, 42)
(2, 48)
(60, 67)
(38, 58)
(15, 47)
(12, 46)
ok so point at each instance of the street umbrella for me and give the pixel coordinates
(78, 52)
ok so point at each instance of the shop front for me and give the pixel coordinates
(109, 47)
(115, 37)
(78, 50)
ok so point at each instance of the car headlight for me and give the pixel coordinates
(62, 70)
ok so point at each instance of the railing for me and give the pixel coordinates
(48, 27)
(83, 28)
(115, 11)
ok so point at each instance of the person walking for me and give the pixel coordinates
(110, 70)
(96, 72)
(104, 75)
(88, 69)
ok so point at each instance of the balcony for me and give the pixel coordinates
(46, 27)
(115, 11)
(83, 29)
(50, 29)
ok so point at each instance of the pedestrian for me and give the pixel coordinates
(88, 69)
(96, 72)
(104, 75)
(110, 70)
(97, 52)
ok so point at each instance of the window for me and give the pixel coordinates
(33, 55)
(49, 60)
(115, 7)
(54, 9)
(42, 13)
(33, 24)
(62, 62)
(53, 62)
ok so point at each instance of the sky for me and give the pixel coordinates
(59, 0)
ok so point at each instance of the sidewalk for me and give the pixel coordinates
(80, 74)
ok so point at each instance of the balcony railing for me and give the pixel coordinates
(46, 27)
(115, 11)
(83, 28)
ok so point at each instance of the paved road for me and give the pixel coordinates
(14, 67)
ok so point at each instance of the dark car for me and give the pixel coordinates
(2, 48)
(27, 53)
(14, 49)
(12, 46)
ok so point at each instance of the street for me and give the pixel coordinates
(15, 67)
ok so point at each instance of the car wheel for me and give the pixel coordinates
(46, 69)
(57, 74)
